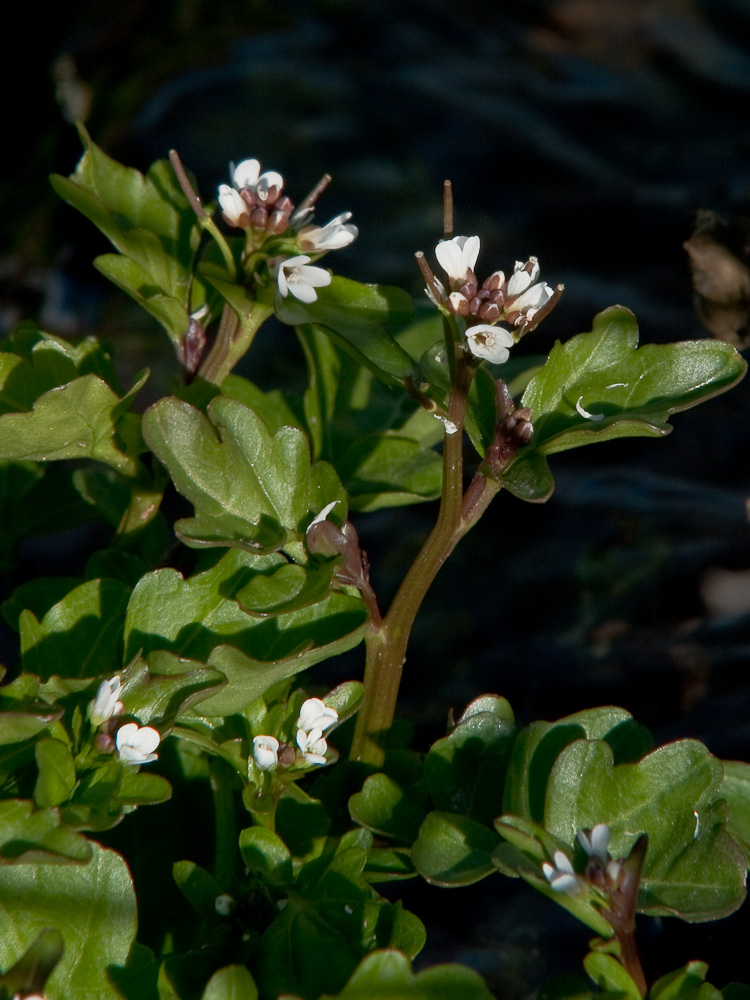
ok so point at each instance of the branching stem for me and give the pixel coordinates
(386, 641)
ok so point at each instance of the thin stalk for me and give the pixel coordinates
(225, 850)
(233, 340)
(386, 641)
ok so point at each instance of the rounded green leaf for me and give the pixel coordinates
(454, 850)
(387, 975)
(92, 905)
(693, 868)
(465, 771)
(384, 807)
(610, 975)
(233, 982)
(266, 855)
(57, 773)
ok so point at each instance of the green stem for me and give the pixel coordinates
(386, 641)
(232, 341)
(225, 850)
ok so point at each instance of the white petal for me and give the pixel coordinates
(246, 174)
(600, 840)
(458, 255)
(489, 342)
(303, 292)
(566, 883)
(265, 752)
(518, 282)
(533, 298)
(269, 182)
(310, 275)
(232, 203)
(562, 863)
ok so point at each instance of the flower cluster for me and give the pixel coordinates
(135, 744)
(602, 872)
(255, 202)
(516, 300)
(315, 717)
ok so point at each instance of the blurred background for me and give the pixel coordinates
(586, 132)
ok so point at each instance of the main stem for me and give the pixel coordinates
(386, 641)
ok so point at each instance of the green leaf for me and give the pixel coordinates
(385, 808)
(161, 689)
(92, 905)
(287, 587)
(537, 747)
(28, 836)
(273, 407)
(149, 222)
(378, 440)
(199, 618)
(385, 470)
(77, 420)
(233, 982)
(199, 887)
(57, 773)
(249, 488)
(610, 975)
(465, 771)
(453, 850)
(681, 983)
(600, 385)
(693, 868)
(735, 788)
(387, 975)
(31, 972)
(265, 854)
(362, 320)
(80, 636)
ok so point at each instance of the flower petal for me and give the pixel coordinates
(489, 342)
(246, 174)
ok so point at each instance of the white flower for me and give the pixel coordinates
(458, 255)
(234, 206)
(596, 845)
(106, 703)
(333, 236)
(298, 277)
(489, 342)
(561, 876)
(313, 745)
(265, 187)
(524, 294)
(224, 904)
(314, 714)
(136, 744)
(265, 752)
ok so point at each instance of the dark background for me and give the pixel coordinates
(585, 132)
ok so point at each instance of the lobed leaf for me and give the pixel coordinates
(599, 386)
(693, 868)
(249, 488)
(93, 906)
(149, 222)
